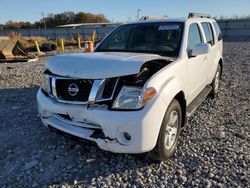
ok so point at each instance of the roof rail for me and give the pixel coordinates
(152, 17)
(198, 15)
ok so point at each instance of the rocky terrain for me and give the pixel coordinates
(214, 149)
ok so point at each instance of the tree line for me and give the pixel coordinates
(54, 20)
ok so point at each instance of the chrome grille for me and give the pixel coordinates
(80, 92)
(88, 91)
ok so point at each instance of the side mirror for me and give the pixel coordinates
(200, 49)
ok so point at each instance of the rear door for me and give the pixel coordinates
(196, 65)
(213, 55)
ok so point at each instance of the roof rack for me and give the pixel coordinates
(152, 17)
(198, 15)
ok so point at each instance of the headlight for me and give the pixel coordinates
(45, 83)
(133, 97)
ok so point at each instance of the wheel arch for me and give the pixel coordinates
(180, 97)
(221, 66)
(174, 89)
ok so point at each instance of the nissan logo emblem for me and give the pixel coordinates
(73, 89)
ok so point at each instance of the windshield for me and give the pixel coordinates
(161, 38)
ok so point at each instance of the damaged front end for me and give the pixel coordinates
(91, 108)
(94, 92)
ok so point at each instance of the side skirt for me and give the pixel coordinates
(198, 100)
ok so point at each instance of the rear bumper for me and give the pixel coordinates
(142, 126)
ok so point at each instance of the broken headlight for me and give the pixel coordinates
(45, 83)
(133, 97)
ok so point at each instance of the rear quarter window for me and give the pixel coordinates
(207, 28)
(218, 31)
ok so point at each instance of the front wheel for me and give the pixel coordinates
(169, 133)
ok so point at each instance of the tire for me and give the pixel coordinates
(216, 83)
(166, 142)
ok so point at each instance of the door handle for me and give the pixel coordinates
(205, 59)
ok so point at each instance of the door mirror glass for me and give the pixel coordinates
(200, 49)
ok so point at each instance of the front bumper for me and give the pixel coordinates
(142, 126)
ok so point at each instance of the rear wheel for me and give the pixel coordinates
(216, 82)
(169, 133)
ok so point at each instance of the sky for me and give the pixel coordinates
(120, 10)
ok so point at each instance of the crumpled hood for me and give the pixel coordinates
(98, 65)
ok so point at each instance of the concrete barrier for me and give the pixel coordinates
(235, 30)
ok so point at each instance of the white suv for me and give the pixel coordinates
(134, 93)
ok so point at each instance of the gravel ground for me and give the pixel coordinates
(214, 149)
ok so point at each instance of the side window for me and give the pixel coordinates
(207, 28)
(194, 37)
(218, 31)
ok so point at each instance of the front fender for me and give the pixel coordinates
(170, 89)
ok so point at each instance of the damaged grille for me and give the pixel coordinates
(73, 90)
(109, 88)
(83, 91)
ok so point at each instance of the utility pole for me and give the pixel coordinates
(138, 13)
(44, 21)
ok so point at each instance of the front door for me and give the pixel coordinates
(197, 66)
